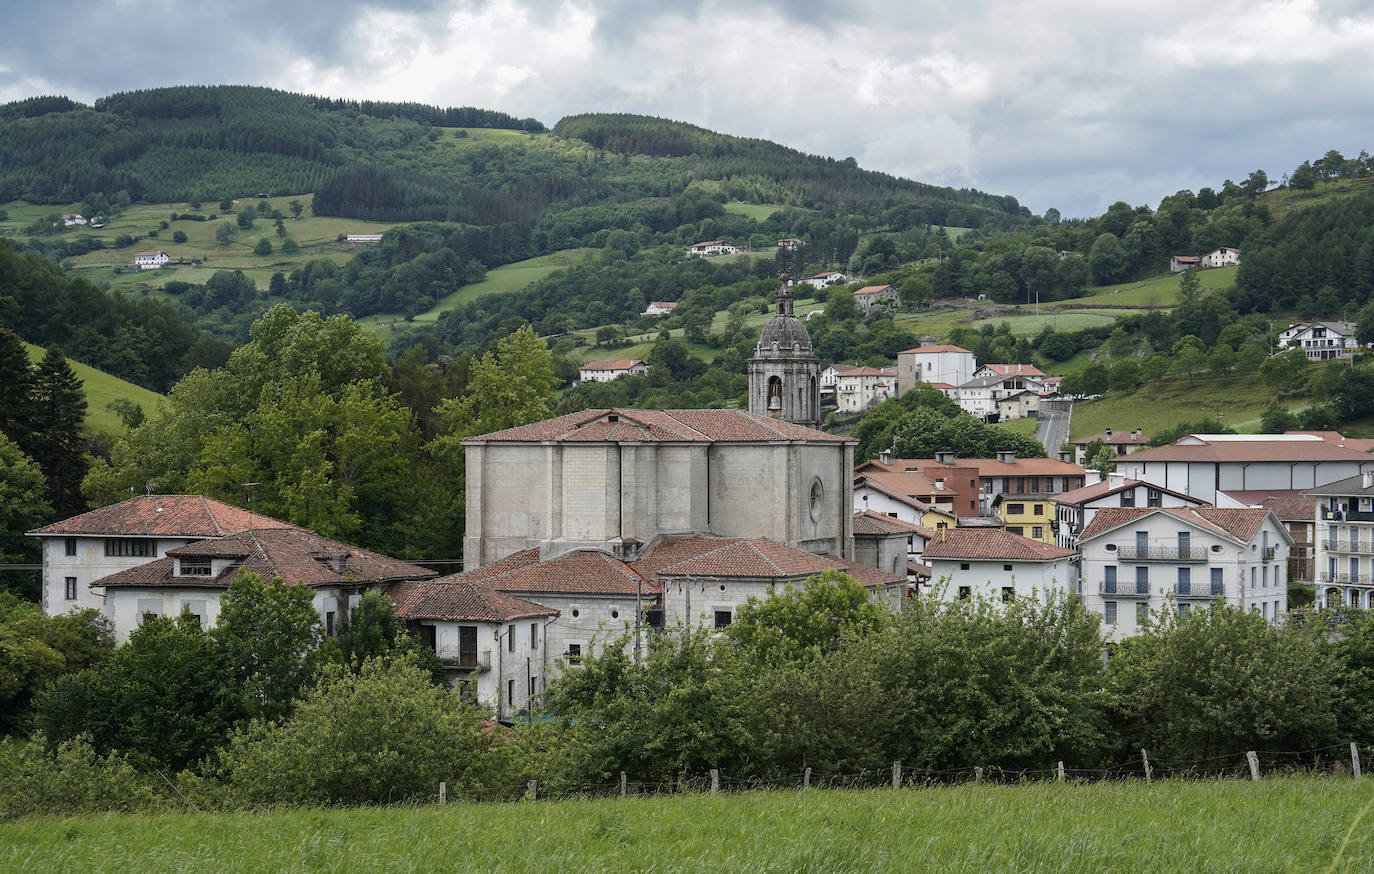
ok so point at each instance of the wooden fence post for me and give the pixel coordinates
(1355, 758)
(806, 778)
(622, 784)
(896, 775)
(443, 792)
(978, 774)
(715, 780)
(1253, 758)
(532, 790)
(1145, 758)
(1061, 772)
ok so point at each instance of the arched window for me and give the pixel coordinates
(775, 393)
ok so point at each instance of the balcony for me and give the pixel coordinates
(1124, 589)
(1163, 553)
(1206, 591)
(1349, 516)
(466, 659)
(1346, 579)
(1270, 552)
(1361, 546)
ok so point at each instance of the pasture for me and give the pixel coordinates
(101, 388)
(1278, 824)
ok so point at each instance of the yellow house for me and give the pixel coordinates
(1029, 516)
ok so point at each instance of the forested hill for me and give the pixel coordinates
(408, 162)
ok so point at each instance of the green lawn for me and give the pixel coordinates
(101, 388)
(1159, 291)
(1025, 427)
(756, 211)
(1240, 400)
(1276, 825)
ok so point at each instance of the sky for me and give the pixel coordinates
(1071, 104)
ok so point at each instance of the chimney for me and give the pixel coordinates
(1136, 433)
(885, 456)
(1108, 432)
(1115, 479)
(1066, 456)
(944, 457)
(1007, 457)
(339, 562)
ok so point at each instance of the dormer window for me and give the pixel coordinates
(193, 567)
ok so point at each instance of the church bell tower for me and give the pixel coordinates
(784, 374)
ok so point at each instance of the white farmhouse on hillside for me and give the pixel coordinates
(605, 371)
(713, 247)
(658, 308)
(1223, 256)
(824, 280)
(1320, 341)
(1137, 561)
(70, 219)
(150, 260)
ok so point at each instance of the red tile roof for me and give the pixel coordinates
(873, 289)
(750, 558)
(1338, 439)
(1014, 369)
(990, 543)
(163, 516)
(296, 555)
(871, 522)
(458, 600)
(612, 364)
(659, 426)
(928, 350)
(908, 483)
(990, 466)
(582, 572)
(1114, 437)
(1210, 448)
(863, 371)
(1236, 524)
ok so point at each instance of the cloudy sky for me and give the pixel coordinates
(1070, 104)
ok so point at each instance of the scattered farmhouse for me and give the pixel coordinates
(1138, 560)
(713, 247)
(1180, 263)
(859, 388)
(824, 280)
(1320, 341)
(658, 308)
(872, 295)
(363, 238)
(1224, 256)
(150, 260)
(605, 371)
(71, 219)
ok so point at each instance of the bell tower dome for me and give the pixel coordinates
(784, 374)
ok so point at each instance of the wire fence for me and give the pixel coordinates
(1335, 760)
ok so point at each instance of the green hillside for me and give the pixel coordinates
(101, 388)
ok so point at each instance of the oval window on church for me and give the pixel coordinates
(817, 494)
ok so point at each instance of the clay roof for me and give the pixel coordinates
(750, 558)
(990, 543)
(163, 516)
(1236, 524)
(459, 600)
(1295, 509)
(1338, 439)
(666, 550)
(669, 304)
(908, 483)
(711, 243)
(928, 350)
(1114, 437)
(871, 522)
(661, 426)
(993, 467)
(863, 371)
(1185, 258)
(1218, 448)
(581, 572)
(869, 577)
(894, 494)
(872, 289)
(296, 555)
(1015, 369)
(614, 364)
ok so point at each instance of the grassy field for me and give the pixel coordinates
(1239, 399)
(101, 388)
(1279, 824)
(756, 211)
(1025, 427)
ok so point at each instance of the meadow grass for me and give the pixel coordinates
(1238, 398)
(757, 211)
(1278, 824)
(101, 388)
(1023, 426)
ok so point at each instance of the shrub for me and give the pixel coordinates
(72, 779)
(178, 236)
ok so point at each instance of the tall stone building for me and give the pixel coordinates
(784, 374)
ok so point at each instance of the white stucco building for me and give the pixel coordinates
(1139, 560)
(1320, 341)
(1075, 510)
(824, 280)
(605, 371)
(1223, 256)
(994, 564)
(1343, 561)
(1200, 465)
(82, 549)
(150, 260)
(950, 365)
(713, 247)
(859, 388)
(876, 295)
(658, 308)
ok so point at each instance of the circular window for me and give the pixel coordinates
(722, 587)
(1111, 547)
(817, 496)
(576, 613)
(615, 614)
(1216, 547)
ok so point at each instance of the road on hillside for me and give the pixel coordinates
(1052, 430)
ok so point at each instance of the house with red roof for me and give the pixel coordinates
(859, 388)
(824, 280)
(1139, 561)
(1120, 441)
(876, 295)
(1180, 263)
(997, 565)
(192, 578)
(82, 549)
(713, 247)
(658, 308)
(605, 371)
(888, 543)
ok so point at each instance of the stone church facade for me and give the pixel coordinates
(784, 374)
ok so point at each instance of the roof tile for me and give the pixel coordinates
(163, 516)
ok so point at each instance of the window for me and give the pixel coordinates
(965, 592)
(1128, 498)
(534, 635)
(817, 499)
(1252, 578)
(1109, 612)
(1185, 581)
(1006, 567)
(329, 623)
(1152, 497)
(194, 567)
(574, 653)
(1109, 579)
(963, 565)
(467, 645)
(71, 546)
(1264, 609)
(1183, 609)
(1039, 509)
(1038, 531)
(148, 607)
(1142, 580)
(1015, 529)
(1264, 577)
(196, 608)
(1142, 614)
(1216, 581)
(510, 639)
(1016, 509)
(510, 693)
(1008, 594)
(130, 546)
(71, 588)
(1185, 543)
(722, 618)
(1142, 543)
